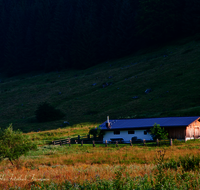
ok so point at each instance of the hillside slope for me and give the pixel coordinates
(115, 88)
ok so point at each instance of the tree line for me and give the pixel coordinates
(50, 35)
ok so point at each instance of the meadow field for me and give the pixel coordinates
(115, 88)
(100, 167)
(86, 97)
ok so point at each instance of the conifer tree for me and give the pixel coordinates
(105, 21)
(60, 35)
(85, 39)
(125, 28)
(114, 36)
(43, 21)
(14, 42)
(159, 19)
(191, 17)
(3, 31)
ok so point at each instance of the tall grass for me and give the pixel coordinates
(120, 167)
(175, 92)
(186, 163)
(104, 177)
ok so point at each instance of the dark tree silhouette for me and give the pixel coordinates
(49, 35)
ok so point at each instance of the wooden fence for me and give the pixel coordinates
(88, 140)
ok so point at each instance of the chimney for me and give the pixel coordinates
(107, 119)
(108, 123)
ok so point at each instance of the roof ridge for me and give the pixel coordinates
(149, 122)
(157, 117)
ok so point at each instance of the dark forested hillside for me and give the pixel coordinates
(52, 35)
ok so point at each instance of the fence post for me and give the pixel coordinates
(82, 143)
(69, 142)
(130, 142)
(106, 144)
(60, 143)
(171, 143)
(144, 142)
(157, 142)
(116, 143)
(78, 137)
(93, 143)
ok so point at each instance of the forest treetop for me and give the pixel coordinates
(50, 35)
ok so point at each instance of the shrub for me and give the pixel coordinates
(187, 163)
(158, 133)
(96, 132)
(45, 112)
(172, 164)
(190, 162)
(14, 144)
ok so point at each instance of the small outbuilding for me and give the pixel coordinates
(125, 130)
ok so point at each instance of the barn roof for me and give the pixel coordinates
(123, 124)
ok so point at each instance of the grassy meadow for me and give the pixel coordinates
(100, 167)
(115, 88)
(171, 71)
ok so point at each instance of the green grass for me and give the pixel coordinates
(171, 71)
(50, 149)
(100, 167)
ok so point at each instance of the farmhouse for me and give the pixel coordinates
(139, 129)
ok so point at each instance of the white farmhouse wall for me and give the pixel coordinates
(127, 137)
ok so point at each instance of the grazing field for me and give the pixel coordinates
(115, 88)
(46, 137)
(100, 167)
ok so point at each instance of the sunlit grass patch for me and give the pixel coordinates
(80, 164)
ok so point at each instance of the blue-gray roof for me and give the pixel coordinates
(149, 122)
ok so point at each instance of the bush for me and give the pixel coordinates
(172, 164)
(45, 112)
(96, 132)
(14, 144)
(190, 162)
(158, 133)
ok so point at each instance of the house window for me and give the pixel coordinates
(145, 132)
(131, 132)
(116, 132)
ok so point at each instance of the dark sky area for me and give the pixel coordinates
(51, 35)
